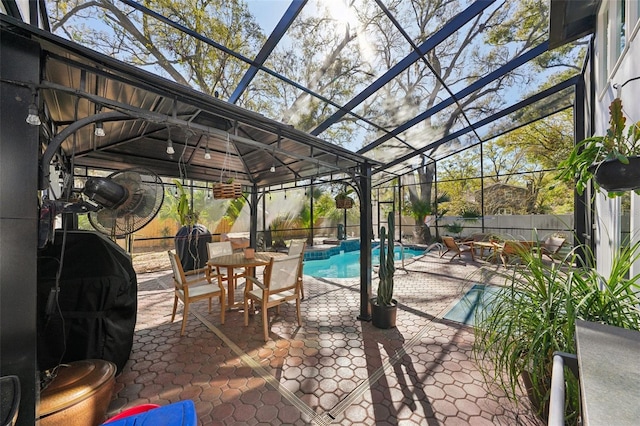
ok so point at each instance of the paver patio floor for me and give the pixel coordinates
(335, 369)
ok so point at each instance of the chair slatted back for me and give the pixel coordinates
(282, 273)
(178, 273)
(219, 249)
(554, 244)
(296, 247)
(450, 243)
(517, 247)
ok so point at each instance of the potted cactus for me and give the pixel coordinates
(384, 307)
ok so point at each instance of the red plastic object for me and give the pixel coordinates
(132, 412)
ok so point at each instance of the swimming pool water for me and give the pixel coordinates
(347, 264)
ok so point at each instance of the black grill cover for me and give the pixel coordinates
(98, 300)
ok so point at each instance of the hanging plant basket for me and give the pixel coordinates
(614, 176)
(344, 202)
(227, 190)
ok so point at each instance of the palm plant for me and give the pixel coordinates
(419, 209)
(534, 315)
(454, 228)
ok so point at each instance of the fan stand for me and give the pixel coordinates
(128, 242)
(128, 238)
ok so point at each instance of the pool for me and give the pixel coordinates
(347, 264)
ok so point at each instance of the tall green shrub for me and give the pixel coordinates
(534, 315)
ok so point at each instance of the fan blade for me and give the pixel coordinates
(144, 196)
(107, 218)
(129, 179)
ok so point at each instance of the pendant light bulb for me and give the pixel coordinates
(99, 131)
(170, 149)
(207, 154)
(33, 117)
(272, 169)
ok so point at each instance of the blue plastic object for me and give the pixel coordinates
(181, 413)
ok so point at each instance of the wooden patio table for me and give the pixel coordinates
(238, 260)
(482, 245)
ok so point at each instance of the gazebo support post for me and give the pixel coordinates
(366, 228)
(253, 217)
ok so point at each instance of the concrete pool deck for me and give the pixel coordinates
(334, 369)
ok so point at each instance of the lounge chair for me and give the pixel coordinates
(451, 246)
(513, 248)
(551, 246)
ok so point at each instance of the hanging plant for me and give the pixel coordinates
(186, 215)
(227, 190)
(343, 201)
(610, 159)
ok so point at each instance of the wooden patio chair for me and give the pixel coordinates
(551, 246)
(296, 248)
(192, 287)
(452, 246)
(280, 284)
(220, 249)
(514, 249)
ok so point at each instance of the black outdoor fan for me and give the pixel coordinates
(129, 198)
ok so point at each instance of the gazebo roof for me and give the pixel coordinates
(140, 110)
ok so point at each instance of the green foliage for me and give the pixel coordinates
(470, 213)
(112, 28)
(616, 144)
(419, 209)
(534, 315)
(454, 228)
(186, 215)
(280, 227)
(524, 157)
(386, 269)
(234, 208)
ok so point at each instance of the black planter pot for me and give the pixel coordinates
(191, 246)
(383, 316)
(614, 176)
